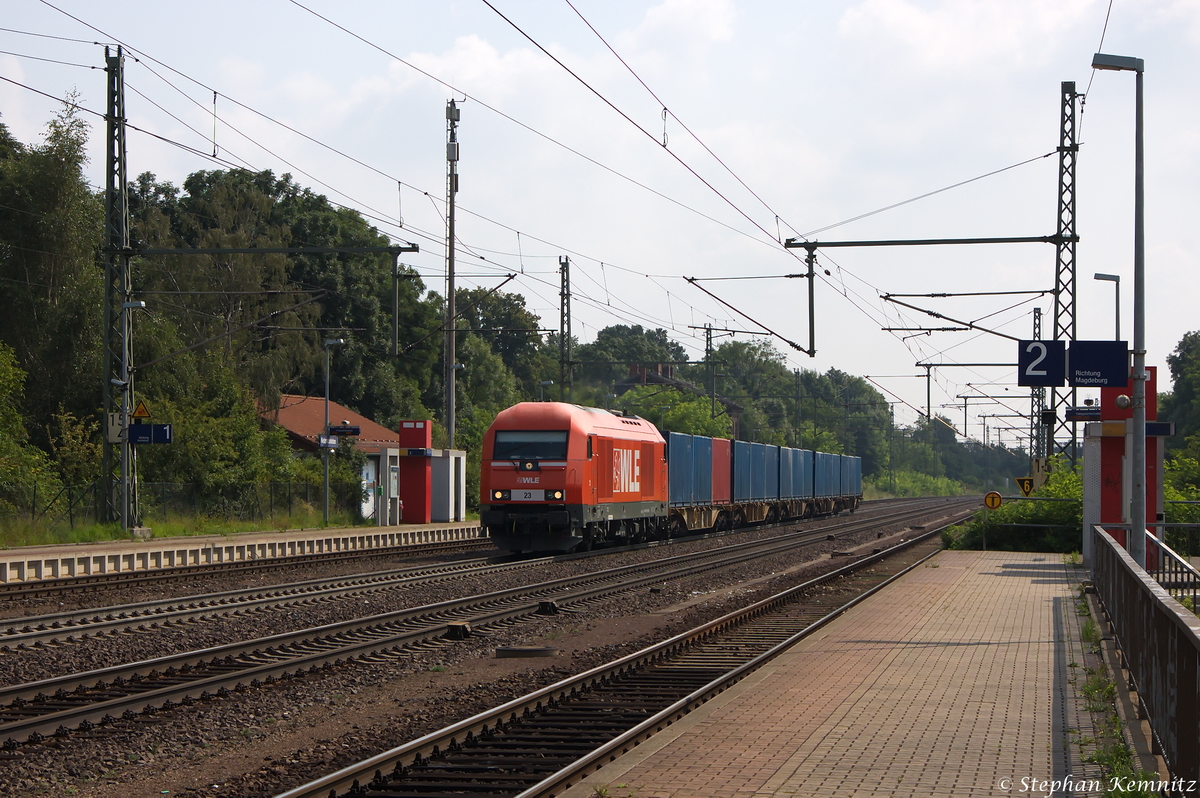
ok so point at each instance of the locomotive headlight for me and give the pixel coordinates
(554, 495)
(502, 495)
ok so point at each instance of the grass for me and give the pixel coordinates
(1090, 633)
(1099, 691)
(1109, 748)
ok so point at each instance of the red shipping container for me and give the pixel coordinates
(722, 478)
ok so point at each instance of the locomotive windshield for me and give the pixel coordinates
(530, 445)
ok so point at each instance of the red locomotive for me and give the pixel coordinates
(558, 476)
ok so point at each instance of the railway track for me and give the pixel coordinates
(81, 702)
(62, 586)
(544, 742)
(149, 617)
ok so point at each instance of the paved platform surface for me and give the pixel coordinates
(955, 681)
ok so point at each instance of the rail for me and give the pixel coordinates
(1160, 642)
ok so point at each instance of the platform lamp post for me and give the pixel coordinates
(1115, 279)
(542, 389)
(1137, 500)
(329, 342)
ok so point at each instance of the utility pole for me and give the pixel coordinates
(1037, 404)
(1064, 275)
(566, 369)
(928, 392)
(799, 411)
(117, 289)
(452, 116)
(712, 367)
(709, 352)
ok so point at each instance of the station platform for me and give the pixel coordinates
(40, 563)
(959, 679)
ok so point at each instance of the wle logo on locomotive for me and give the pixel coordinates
(627, 471)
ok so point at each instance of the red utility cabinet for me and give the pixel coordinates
(416, 442)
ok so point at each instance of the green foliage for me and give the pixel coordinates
(626, 345)
(1182, 405)
(219, 443)
(21, 465)
(1052, 526)
(50, 308)
(912, 483)
(673, 410)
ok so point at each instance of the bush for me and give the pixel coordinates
(1043, 526)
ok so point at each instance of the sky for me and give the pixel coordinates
(654, 141)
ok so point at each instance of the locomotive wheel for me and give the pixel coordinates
(587, 543)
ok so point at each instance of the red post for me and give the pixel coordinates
(1112, 454)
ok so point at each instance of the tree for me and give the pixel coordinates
(673, 410)
(1182, 405)
(51, 305)
(510, 330)
(21, 465)
(607, 359)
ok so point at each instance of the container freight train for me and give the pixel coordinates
(557, 477)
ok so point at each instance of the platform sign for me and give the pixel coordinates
(1085, 413)
(1025, 484)
(1042, 363)
(1098, 364)
(345, 430)
(150, 433)
(327, 442)
(992, 500)
(114, 427)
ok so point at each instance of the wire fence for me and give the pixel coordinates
(81, 505)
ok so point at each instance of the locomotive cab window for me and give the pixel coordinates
(530, 445)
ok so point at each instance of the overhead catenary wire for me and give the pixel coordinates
(850, 295)
(377, 216)
(841, 271)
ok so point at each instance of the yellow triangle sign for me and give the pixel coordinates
(1025, 484)
(141, 411)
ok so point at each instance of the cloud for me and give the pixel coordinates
(478, 67)
(694, 20)
(1186, 14)
(961, 34)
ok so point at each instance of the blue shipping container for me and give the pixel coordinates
(804, 471)
(702, 471)
(771, 469)
(680, 466)
(758, 471)
(742, 488)
(787, 485)
(855, 486)
(827, 474)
